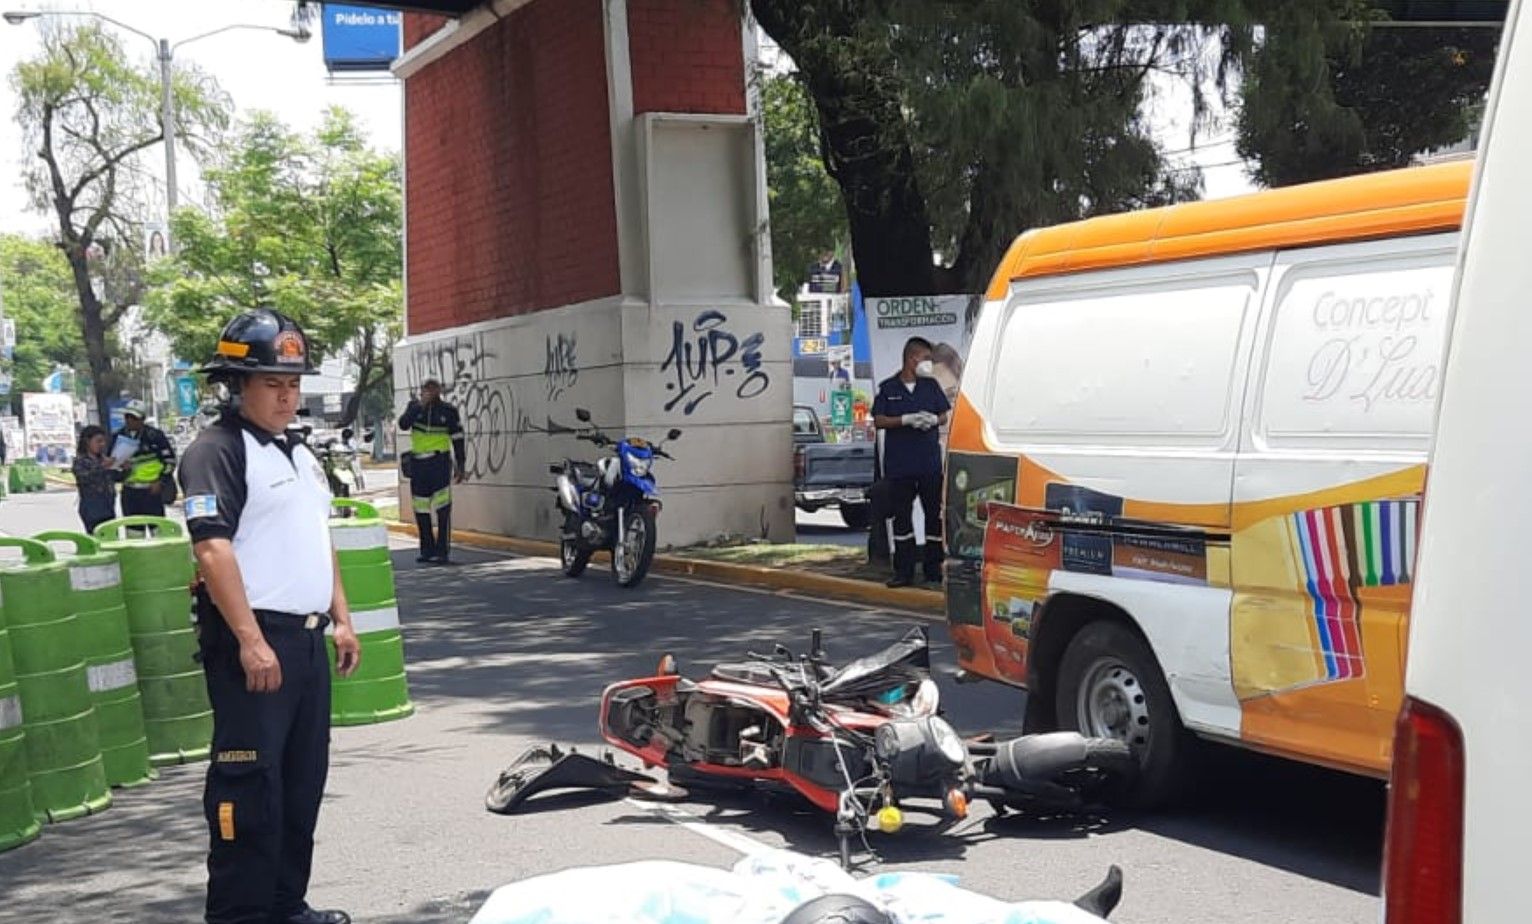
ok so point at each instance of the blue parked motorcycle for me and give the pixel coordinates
(610, 504)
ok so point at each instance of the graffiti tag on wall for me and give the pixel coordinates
(711, 356)
(559, 370)
(461, 364)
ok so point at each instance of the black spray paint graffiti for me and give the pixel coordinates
(462, 366)
(559, 371)
(700, 365)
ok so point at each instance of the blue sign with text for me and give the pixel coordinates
(360, 38)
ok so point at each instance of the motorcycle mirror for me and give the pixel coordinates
(673, 435)
(367, 435)
(582, 414)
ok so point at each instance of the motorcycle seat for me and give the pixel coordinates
(755, 673)
(585, 473)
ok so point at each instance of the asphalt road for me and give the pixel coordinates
(505, 653)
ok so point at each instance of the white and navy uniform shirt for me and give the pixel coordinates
(271, 499)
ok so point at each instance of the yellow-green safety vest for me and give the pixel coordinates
(424, 439)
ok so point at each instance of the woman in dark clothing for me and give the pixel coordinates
(93, 478)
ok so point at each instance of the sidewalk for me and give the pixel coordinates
(822, 571)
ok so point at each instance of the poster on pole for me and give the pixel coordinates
(49, 423)
(945, 320)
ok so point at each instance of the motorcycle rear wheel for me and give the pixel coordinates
(573, 558)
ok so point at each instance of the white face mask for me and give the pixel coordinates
(925, 369)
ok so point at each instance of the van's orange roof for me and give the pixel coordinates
(1410, 201)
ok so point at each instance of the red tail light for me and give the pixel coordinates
(798, 466)
(1423, 859)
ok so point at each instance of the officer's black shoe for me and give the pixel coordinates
(313, 916)
(424, 559)
(933, 579)
(442, 559)
(900, 582)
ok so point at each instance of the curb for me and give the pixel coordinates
(847, 590)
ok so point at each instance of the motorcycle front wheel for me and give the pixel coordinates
(631, 562)
(573, 558)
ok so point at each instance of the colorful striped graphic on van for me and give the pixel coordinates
(1370, 544)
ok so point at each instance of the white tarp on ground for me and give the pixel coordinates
(761, 889)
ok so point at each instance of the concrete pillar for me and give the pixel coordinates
(586, 227)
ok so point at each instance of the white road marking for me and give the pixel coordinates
(735, 841)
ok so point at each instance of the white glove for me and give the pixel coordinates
(911, 420)
(923, 420)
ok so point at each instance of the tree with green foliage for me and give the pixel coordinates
(953, 125)
(311, 226)
(37, 293)
(808, 215)
(87, 111)
(1322, 98)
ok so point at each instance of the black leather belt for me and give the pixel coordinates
(274, 618)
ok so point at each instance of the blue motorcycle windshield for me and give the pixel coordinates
(889, 697)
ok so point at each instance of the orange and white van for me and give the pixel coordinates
(1185, 467)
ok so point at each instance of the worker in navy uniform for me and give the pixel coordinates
(437, 459)
(146, 474)
(911, 409)
(257, 507)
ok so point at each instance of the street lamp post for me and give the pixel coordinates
(165, 53)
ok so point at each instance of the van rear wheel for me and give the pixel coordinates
(1110, 686)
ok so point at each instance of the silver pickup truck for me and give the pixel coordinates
(830, 473)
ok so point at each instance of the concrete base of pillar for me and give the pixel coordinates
(722, 374)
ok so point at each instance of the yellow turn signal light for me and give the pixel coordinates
(957, 803)
(890, 819)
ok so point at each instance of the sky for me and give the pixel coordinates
(259, 70)
(266, 71)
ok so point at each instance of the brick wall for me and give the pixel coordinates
(687, 56)
(419, 26)
(509, 189)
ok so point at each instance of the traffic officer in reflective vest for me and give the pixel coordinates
(437, 459)
(257, 508)
(150, 465)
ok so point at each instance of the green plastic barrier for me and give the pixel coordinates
(63, 744)
(96, 601)
(379, 690)
(156, 580)
(18, 817)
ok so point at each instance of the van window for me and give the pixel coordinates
(1150, 362)
(1355, 351)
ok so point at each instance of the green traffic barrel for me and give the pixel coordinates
(378, 691)
(62, 742)
(18, 819)
(156, 582)
(95, 581)
(27, 476)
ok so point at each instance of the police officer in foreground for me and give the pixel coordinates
(910, 408)
(437, 459)
(147, 473)
(257, 507)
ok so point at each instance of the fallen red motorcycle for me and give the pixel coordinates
(860, 740)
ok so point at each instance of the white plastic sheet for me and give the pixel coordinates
(762, 888)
